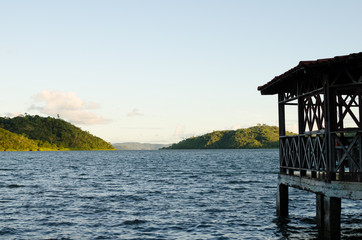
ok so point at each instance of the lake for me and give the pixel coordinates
(180, 194)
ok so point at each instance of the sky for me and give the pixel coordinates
(159, 71)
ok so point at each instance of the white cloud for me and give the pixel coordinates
(11, 115)
(68, 106)
(134, 113)
(236, 127)
(180, 130)
(180, 133)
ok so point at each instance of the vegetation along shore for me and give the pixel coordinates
(260, 136)
(35, 133)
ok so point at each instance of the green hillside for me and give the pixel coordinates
(261, 136)
(50, 134)
(14, 142)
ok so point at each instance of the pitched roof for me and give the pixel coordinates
(308, 64)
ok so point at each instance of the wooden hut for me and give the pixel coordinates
(325, 156)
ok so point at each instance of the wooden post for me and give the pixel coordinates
(332, 217)
(359, 175)
(282, 200)
(328, 216)
(319, 210)
(281, 113)
(301, 130)
(330, 125)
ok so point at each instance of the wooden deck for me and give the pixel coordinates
(337, 189)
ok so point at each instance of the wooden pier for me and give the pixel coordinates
(325, 157)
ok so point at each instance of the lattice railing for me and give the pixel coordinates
(306, 156)
(348, 156)
(303, 152)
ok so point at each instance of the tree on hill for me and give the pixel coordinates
(14, 142)
(260, 136)
(54, 132)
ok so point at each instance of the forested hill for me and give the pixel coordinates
(261, 136)
(48, 134)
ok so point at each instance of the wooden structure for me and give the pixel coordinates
(325, 157)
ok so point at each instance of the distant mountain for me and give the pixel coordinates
(46, 133)
(260, 136)
(138, 146)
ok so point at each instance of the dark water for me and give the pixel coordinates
(221, 194)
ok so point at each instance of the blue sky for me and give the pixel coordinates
(161, 71)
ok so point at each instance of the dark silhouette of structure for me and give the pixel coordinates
(325, 157)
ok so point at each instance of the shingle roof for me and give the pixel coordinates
(309, 64)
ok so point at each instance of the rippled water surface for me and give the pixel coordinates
(215, 194)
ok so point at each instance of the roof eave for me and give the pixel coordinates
(270, 87)
(267, 89)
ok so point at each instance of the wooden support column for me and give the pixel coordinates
(359, 175)
(301, 130)
(281, 111)
(330, 125)
(281, 115)
(328, 216)
(319, 210)
(282, 200)
(332, 216)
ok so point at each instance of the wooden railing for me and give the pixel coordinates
(348, 156)
(306, 155)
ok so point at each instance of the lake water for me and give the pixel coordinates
(214, 194)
